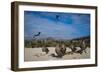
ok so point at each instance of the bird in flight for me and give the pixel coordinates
(57, 17)
(38, 34)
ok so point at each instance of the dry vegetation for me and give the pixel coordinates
(50, 42)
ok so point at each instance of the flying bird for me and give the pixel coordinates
(57, 17)
(38, 34)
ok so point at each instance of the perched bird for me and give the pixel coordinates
(63, 49)
(45, 49)
(59, 51)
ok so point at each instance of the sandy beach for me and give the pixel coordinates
(36, 54)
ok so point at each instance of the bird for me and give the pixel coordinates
(57, 17)
(37, 34)
(45, 49)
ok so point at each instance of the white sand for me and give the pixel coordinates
(36, 54)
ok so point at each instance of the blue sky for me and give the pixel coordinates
(56, 25)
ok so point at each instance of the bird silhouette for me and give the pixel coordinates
(57, 17)
(37, 34)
